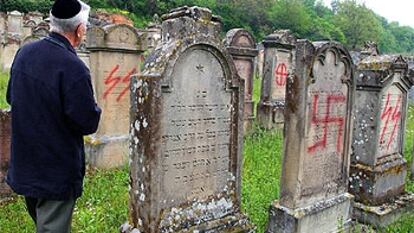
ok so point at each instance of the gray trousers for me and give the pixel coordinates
(51, 216)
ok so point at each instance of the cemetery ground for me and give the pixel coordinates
(104, 204)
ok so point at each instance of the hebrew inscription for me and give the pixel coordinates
(196, 133)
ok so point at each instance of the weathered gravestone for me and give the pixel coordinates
(410, 61)
(318, 127)
(186, 132)
(242, 47)
(8, 50)
(115, 54)
(40, 31)
(14, 22)
(28, 27)
(260, 61)
(34, 16)
(153, 35)
(5, 139)
(83, 53)
(3, 19)
(278, 61)
(378, 169)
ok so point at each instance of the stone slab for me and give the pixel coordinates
(186, 133)
(385, 214)
(279, 61)
(106, 152)
(5, 140)
(324, 216)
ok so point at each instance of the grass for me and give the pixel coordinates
(4, 79)
(103, 207)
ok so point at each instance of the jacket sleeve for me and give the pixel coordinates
(80, 106)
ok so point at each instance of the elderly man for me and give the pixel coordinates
(53, 106)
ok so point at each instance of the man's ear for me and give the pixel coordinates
(80, 30)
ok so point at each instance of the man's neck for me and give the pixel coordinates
(70, 38)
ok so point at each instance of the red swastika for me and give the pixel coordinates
(281, 74)
(393, 114)
(326, 120)
(112, 81)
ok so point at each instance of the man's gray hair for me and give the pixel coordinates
(70, 25)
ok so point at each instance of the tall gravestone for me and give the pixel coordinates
(279, 49)
(9, 50)
(3, 19)
(153, 35)
(14, 22)
(115, 54)
(260, 60)
(378, 169)
(317, 142)
(242, 47)
(5, 139)
(35, 16)
(40, 31)
(186, 132)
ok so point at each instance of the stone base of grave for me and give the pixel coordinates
(333, 215)
(248, 116)
(385, 214)
(5, 192)
(106, 152)
(271, 116)
(376, 185)
(230, 224)
(248, 125)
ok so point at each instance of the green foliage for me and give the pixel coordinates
(262, 164)
(26, 5)
(102, 208)
(346, 21)
(358, 23)
(4, 79)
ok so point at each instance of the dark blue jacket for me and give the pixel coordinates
(52, 106)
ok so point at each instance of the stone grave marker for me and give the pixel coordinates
(186, 132)
(278, 61)
(5, 140)
(8, 51)
(14, 23)
(115, 55)
(378, 169)
(260, 60)
(153, 32)
(318, 129)
(242, 47)
(40, 31)
(3, 19)
(28, 27)
(36, 16)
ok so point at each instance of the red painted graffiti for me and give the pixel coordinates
(112, 81)
(281, 74)
(390, 113)
(326, 120)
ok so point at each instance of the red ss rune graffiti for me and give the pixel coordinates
(393, 114)
(281, 74)
(326, 120)
(112, 81)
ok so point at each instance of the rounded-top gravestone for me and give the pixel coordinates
(186, 132)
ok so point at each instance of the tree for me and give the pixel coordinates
(358, 23)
